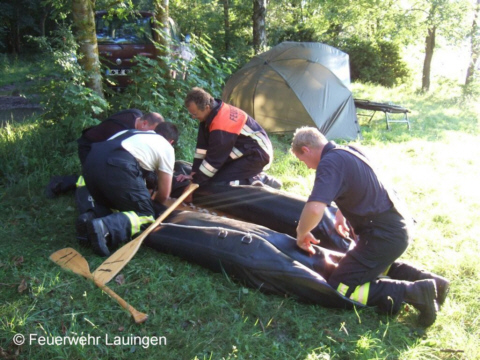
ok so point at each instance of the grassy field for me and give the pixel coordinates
(198, 314)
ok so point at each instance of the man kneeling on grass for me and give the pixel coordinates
(380, 221)
(114, 174)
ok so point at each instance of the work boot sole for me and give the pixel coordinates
(443, 287)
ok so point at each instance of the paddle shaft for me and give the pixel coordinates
(72, 260)
(112, 266)
(137, 315)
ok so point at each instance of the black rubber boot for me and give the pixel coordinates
(421, 295)
(81, 227)
(99, 237)
(442, 285)
(263, 179)
(60, 185)
(270, 181)
(405, 271)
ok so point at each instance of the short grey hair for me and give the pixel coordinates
(307, 136)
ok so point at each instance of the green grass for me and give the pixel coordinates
(19, 71)
(205, 315)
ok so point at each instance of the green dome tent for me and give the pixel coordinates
(297, 84)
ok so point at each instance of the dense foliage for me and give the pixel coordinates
(163, 90)
(375, 62)
(371, 32)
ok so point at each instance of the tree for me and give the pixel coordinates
(84, 25)
(160, 37)
(259, 33)
(446, 16)
(475, 47)
(225, 24)
(161, 17)
(226, 16)
(427, 61)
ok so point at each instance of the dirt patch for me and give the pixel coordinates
(14, 107)
(11, 99)
(16, 102)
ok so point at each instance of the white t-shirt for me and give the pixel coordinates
(153, 152)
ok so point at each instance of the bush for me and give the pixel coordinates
(299, 32)
(472, 89)
(374, 62)
(64, 96)
(155, 90)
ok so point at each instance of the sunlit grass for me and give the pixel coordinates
(435, 167)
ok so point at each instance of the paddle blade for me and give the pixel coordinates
(112, 266)
(72, 260)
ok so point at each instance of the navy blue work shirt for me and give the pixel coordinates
(350, 182)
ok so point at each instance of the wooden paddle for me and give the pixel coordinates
(72, 260)
(112, 266)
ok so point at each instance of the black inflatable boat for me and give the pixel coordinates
(252, 254)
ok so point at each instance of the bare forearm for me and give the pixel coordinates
(164, 187)
(311, 215)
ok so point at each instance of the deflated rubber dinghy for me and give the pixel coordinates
(262, 205)
(252, 254)
(274, 209)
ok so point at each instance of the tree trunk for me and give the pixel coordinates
(259, 33)
(84, 25)
(16, 33)
(161, 18)
(43, 19)
(475, 46)
(429, 47)
(226, 17)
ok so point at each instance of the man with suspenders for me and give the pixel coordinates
(114, 175)
(381, 224)
(87, 207)
(122, 120)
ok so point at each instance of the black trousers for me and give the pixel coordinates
(115, 180)
(242, 168)
(383, 239)
(84, 147)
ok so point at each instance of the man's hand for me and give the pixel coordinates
(183, 177)
(341, 225)
(305, 242)
(311, 215)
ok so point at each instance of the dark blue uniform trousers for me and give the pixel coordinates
(382, 240)
(114, 178)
